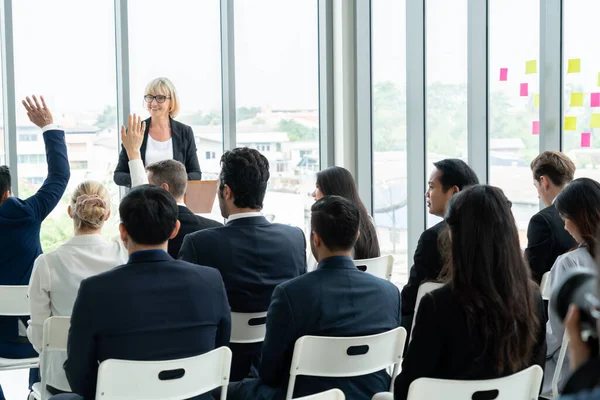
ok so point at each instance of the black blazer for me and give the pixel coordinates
(427, 266)
(443, 348)
(152, 308)
(546, 240)
(184, 150)
(190, 223)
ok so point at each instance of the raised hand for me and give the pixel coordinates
(133, 136)
(40, 115)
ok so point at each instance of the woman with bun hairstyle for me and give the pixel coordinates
(57, 274)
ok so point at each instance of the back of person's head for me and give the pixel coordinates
(90, 205)
(171, 173)
(148, 215)
(246, 172)
(579, 203)
(5, 183)
(490, 277)
(455, 172)
(338, 181)
(555, 165)
(336, 222)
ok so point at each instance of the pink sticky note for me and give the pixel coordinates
(524, 89)
(503, 74)
(595, 101)
(586, 139)
(535, 128)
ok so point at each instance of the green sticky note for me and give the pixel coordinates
(570, 124)
(531, 67)
(577, 99)
(574, 66)
(595, 121)
(536, 100)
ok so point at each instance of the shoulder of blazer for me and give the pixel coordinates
(180, 130)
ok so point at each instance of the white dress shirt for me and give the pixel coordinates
(54, 284)
(158, 151)
(233, 217)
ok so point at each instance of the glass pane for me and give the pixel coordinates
(389, 131)
(2, 157)
(514, 103)
(76, 74)
(277, 86)
(188, 53)
(583, 143)
(446, 77)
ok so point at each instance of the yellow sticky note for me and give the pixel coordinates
(531, 67)
(536, 100)
(595, 121)
(576, 99)
(570, 124)
(574, 66)
(598, 78)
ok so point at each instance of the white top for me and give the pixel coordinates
(158, 151)
(233, 217)
(54, 284)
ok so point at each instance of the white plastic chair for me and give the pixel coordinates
(127, 380)
(329, 356)
(15, 303)
(545, 286)
(424, 288)
(381, 267)
(523, 385)
(333, 394)
(559, 366)
(248, 327)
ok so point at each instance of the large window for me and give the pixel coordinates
(71, 61)
(276, 53)
(514, 103)
(389, 131)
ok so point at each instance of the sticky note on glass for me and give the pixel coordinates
(524, 90)
(531, 67)
(536, 100)
(577, 99)
(595, 100)
(535, 128)
(571, 123)
(504, 74)
(598, 78)
(586, 139)
(595, 121)
(574, 66)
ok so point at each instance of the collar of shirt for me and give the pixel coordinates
(82, 240)
(233, 217)
(182, 205)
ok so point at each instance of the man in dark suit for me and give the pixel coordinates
(153, 307)
(449, 177)
(20, 222)
(546, 235)
(334, 300)
(252, 254)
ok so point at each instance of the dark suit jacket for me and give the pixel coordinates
(442, 346)
(184, 150)
(427, 266)
(546, 240)
(152, 308)
(190, 223)
(20, 222)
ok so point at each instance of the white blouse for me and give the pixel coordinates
(158, 151)
(54, 284)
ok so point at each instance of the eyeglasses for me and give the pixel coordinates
(159, 99)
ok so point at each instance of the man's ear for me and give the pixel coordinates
(544, 181)
(123, 233)
(455, 190)
(315, 238)
(176, 230)
(227, 193)
(165, 186)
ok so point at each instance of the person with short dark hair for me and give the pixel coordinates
(153, 307)
(252, 254)
(546, 236)
(449, 177)
(336, 300)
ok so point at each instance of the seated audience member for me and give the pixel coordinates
(579, 206)
(153, 307)
(449, 177)
(487, 321)
(336, 299)
(57, 275)
(252, 254)
(20, 222)
(546, 235)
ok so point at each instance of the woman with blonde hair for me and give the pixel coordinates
(164, 138)
(57, 274)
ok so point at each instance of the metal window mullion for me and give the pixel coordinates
(326, 116)
(122, 68)
(228, 74)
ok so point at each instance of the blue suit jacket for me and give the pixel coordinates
(20, 222)
(152, 308)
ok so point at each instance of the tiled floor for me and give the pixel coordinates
(14, 384)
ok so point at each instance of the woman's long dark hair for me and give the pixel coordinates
(580, 202)
(339, 182)
(489, 276)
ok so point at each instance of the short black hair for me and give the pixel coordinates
(4, 179)
(149, 214)
(246, 172)
(336, 221)
(455, 172)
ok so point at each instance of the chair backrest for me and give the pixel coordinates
(381, 267)
(424, 288)
(523, 385)
(248, 327)
(200, 196)
(14, 300)
(333, 394)
(56, 333)
(346, 356)
(545, 286)
(164, 380)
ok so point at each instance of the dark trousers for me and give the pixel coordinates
(17, 351)
(244, 362)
